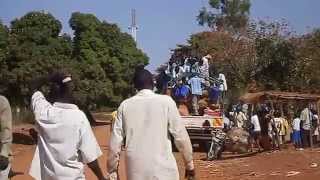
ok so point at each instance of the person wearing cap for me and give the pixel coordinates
(5, 137)
(65, 139)
(145, 123)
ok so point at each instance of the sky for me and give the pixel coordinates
(162, 23)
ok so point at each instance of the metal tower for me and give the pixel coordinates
(133, 27)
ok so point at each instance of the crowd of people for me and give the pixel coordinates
(141, 127)
(65, 140)
(189, 78)
(302, 130)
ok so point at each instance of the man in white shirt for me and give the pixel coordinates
(256, 131)
(204, 67)
(241, 119)
(65, 138)
(5, 137)
(144, 124)
(306, 118)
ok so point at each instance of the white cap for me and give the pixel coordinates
(67, 79)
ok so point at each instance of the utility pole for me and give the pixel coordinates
(133, 27)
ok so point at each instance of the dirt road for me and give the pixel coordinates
(286, 164)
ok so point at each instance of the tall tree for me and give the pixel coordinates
(230, 15)
(35, 49)
(4, 41)
(263, 54)
(113, 54)
(308, 54)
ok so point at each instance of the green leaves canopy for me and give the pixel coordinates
(100, 57)
(231, 15)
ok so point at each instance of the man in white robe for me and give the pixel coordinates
(65, 139)
(5, 137)
(145, 124)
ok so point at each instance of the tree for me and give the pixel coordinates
(100, 58)
(308, 61)
(263, 55)
(230, 15)
(233, 56)
(4, 41)
(113, 55)
(35, 48)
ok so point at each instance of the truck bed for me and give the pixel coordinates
(197, 130)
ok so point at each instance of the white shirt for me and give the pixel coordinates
(146, 121)
(241, 118)
(65, 141)
(223, 86)
(305, 116)
(204, 69)
(195, 83)
(256, 123)
(296, 124)
(316, 130)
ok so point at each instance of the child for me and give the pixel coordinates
(296, 136)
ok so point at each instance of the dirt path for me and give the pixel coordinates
(264, 166)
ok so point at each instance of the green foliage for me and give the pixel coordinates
(100, 57)
(35, 48)
(113, 53)
(231, 15)
(308, 54)
(4, 40)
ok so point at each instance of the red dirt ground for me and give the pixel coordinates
(263, 166)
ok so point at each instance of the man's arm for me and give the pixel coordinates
(39, 104)
(181, 137)
(89, 148)
(6, 132)
(116, 142)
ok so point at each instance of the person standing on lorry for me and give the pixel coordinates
(196, 91)
(144, 124)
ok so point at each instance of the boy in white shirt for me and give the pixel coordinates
(256, 131)
(296, 136)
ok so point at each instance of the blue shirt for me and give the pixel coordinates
(214, 93)
(182, 91)
(195, 83)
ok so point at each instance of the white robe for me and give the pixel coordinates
(146, 122)
(65, 141)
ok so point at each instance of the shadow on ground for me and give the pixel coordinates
(19, 138)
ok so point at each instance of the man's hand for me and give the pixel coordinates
(4, 162)
(190, 174)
